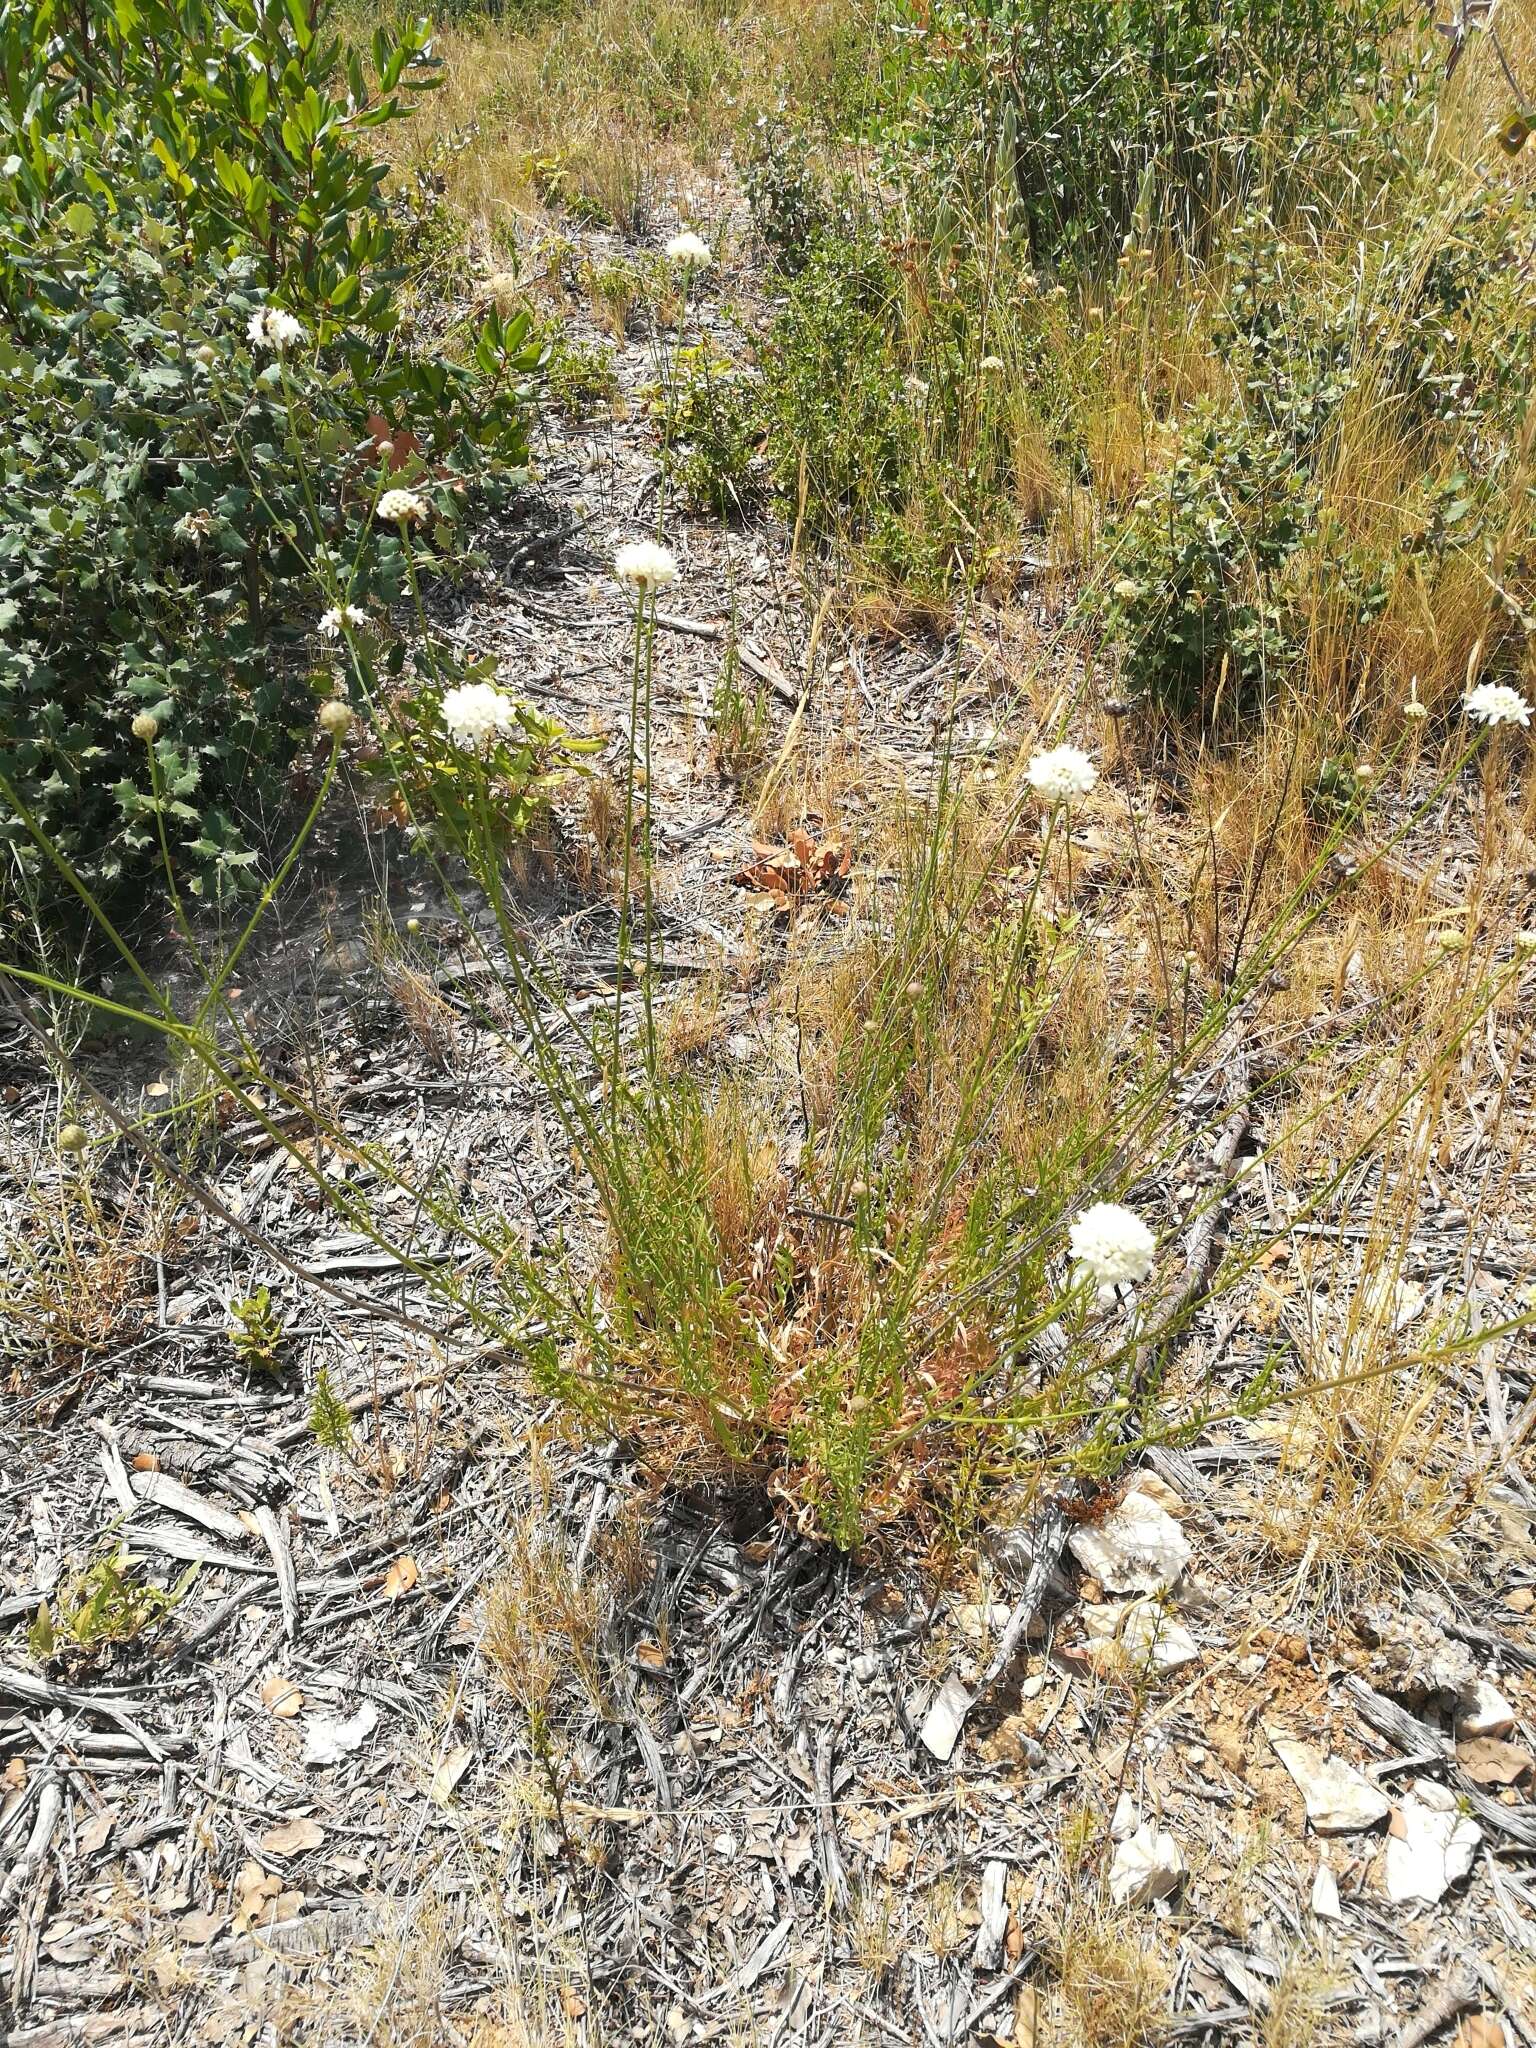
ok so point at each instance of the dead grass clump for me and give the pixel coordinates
(1109, 1985)
(430, 1020)
(76, 1273)
(543, 1622)
(1296, 2014)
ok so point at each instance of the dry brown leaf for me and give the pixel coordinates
(293, 1837)
(400, 1578)
(1480, 2030)
(1026, 2017)
(93, 1835)
(650, 1656)
(787, 876)
(449, 1772)
(1490, 1760)
(395, 444)
(280, 1696)
(198, 1929)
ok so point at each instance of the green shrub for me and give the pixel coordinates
(790, 203)
(580, 375)
(178, 502)
(1199, 601)
(1094, 116)
(833, 380)
(713, 414)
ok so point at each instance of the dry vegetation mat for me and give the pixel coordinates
(778, 1289)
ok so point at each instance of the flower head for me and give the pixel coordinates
(1113, 1243)
(339, 618)
(689, 250)
(1497, 704)
(146, 726)
(274, 329)
(335, 718)
(402, 508)
(474, 713)
(645, 565)
(1061, 773)
(992, 366)
(73, 1138)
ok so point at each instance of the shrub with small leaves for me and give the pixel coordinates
(713, 412)
(256, 1334)
(195, 281)
(1198, 599)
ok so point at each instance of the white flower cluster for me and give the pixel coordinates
(1113, 1244)
(402, 508)
(273, 328)
(645, 565)
(1497, 704)
(1061, 773)
(339, 619)
(689, 250)
(474, 714)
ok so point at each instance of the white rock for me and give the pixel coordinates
(980, 1623)
(327, 1742)
(1125, 1820)
(1137, 1548)
(1435, 1848)
(1325, 1895)
(1339, 1799)
(1147, 1866)
(1483, 1710)
(945, 1719)
(1146, 1633)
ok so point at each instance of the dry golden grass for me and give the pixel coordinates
(594, 110)
(543, 1622)
(431, 1021)
(1108, 1983)
(77, 1269)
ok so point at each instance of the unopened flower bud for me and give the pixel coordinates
(146, 726)
(336, 718)
(73, 1138)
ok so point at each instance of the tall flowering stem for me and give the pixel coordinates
(644, 568)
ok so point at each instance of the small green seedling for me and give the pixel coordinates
(255, 1330)
(107, 1603)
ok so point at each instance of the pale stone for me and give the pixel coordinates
(1146, 1866)
(1137, 1548)
(945, 1719)
(1145, 1632)
(1483, 1710)
(1339, 1799)
(1435, 1848)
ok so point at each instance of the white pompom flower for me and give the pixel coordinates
(1497, 704)
(341, 618)
(274, 328)
(644, 565)
(475, 714)
(1112, 1244)
(690, 251)
(402, 508)
(1061, 774)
